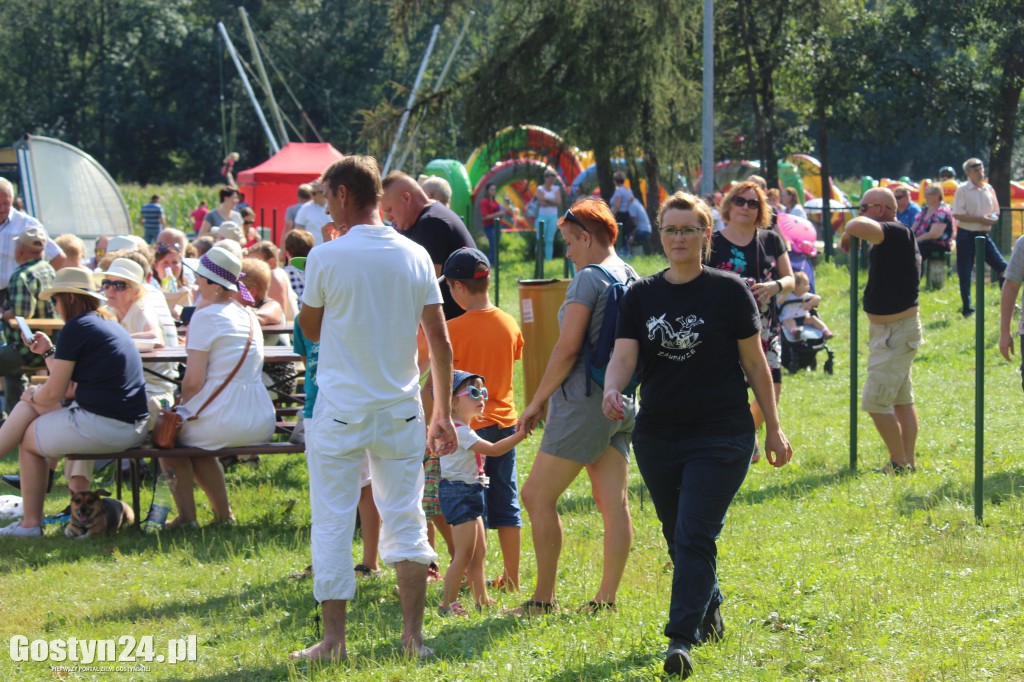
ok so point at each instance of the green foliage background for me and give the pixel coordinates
(147, 88)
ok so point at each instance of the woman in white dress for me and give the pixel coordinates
(242, 413)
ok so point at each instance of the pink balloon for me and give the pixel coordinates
(800, 233)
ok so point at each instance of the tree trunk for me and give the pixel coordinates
(603, 161)
(769, 159)
(1007, 103)
(652, 170)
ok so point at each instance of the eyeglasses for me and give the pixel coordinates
(248, 222)
(900, 196)
(741, 202)
(864, 207)
(474, 392)
(975, 166)
(570, 217)
(116, 286)
(687, 231)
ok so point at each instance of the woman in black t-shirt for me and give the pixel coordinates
(109, 412)
(759, 257)
(694, 332)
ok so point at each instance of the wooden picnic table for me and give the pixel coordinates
(40, 324)
(271, 354)
(180, 354)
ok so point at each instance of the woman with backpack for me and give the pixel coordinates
(694, 332)
(577, 435)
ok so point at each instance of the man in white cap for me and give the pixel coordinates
(368, 400)
(32, 275)
(12, 222)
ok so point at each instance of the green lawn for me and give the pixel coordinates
(827, 575)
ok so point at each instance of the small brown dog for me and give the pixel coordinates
(93, 513)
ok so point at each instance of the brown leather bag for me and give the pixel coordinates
(168, 424)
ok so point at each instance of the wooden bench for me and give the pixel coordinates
(936, 266)
(136, 455)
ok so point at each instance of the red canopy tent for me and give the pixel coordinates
(270, 187)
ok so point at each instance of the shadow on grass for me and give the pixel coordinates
(637, 667)
(788, 489)
(1000, 486)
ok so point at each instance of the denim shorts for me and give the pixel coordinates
(461, 502)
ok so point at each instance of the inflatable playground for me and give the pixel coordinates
(516, 159)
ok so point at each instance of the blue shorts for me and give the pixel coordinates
(501, 498)
(461, 502)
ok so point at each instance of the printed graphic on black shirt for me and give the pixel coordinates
(685, 339)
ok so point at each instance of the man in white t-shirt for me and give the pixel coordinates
(366, 295)
(312, 215)
(12, 222)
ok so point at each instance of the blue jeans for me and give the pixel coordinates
(549, 215)
(492, 231)
(965, 261)
(692, 483)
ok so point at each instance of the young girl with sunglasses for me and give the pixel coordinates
(461, 492)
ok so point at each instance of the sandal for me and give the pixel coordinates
(526, 609)
(364, 571)
(453, 609)
(597, 606)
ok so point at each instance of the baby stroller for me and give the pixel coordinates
(800, 353)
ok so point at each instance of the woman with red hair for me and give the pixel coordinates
(577, 435)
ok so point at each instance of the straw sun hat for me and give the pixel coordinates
(222, 267)
(72, 280)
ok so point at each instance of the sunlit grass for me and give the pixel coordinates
(828, 575)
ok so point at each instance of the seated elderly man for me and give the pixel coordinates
(32, 275)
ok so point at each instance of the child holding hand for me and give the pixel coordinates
(461, 492)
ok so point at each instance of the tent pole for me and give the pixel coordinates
(437, 86)
(412, 98)
(274, 146)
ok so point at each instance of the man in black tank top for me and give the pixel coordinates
(890, 301)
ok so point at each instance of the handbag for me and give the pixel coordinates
(168, 424)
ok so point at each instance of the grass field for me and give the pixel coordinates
(828, 575)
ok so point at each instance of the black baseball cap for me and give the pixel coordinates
(462, 264)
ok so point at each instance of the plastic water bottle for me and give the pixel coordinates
(163, 498)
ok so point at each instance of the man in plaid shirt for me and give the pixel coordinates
(32, 275)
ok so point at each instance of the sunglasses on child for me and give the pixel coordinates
(474, 392)
(116, 286)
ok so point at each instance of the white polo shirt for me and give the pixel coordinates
(372, 284)
(14, 225)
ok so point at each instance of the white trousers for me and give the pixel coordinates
(336, 448)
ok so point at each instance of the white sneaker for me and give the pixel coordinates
(16, 529)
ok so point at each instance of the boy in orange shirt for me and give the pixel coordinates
(487, 341)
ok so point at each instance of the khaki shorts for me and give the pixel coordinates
(74, 430)
(892, 350)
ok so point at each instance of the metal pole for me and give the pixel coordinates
(707, 178)
(274, 110)
(538, 267)
(274, 146)
(437, 86)
(496, 263)
(412, 98)
(979, 378)
(854, 295)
